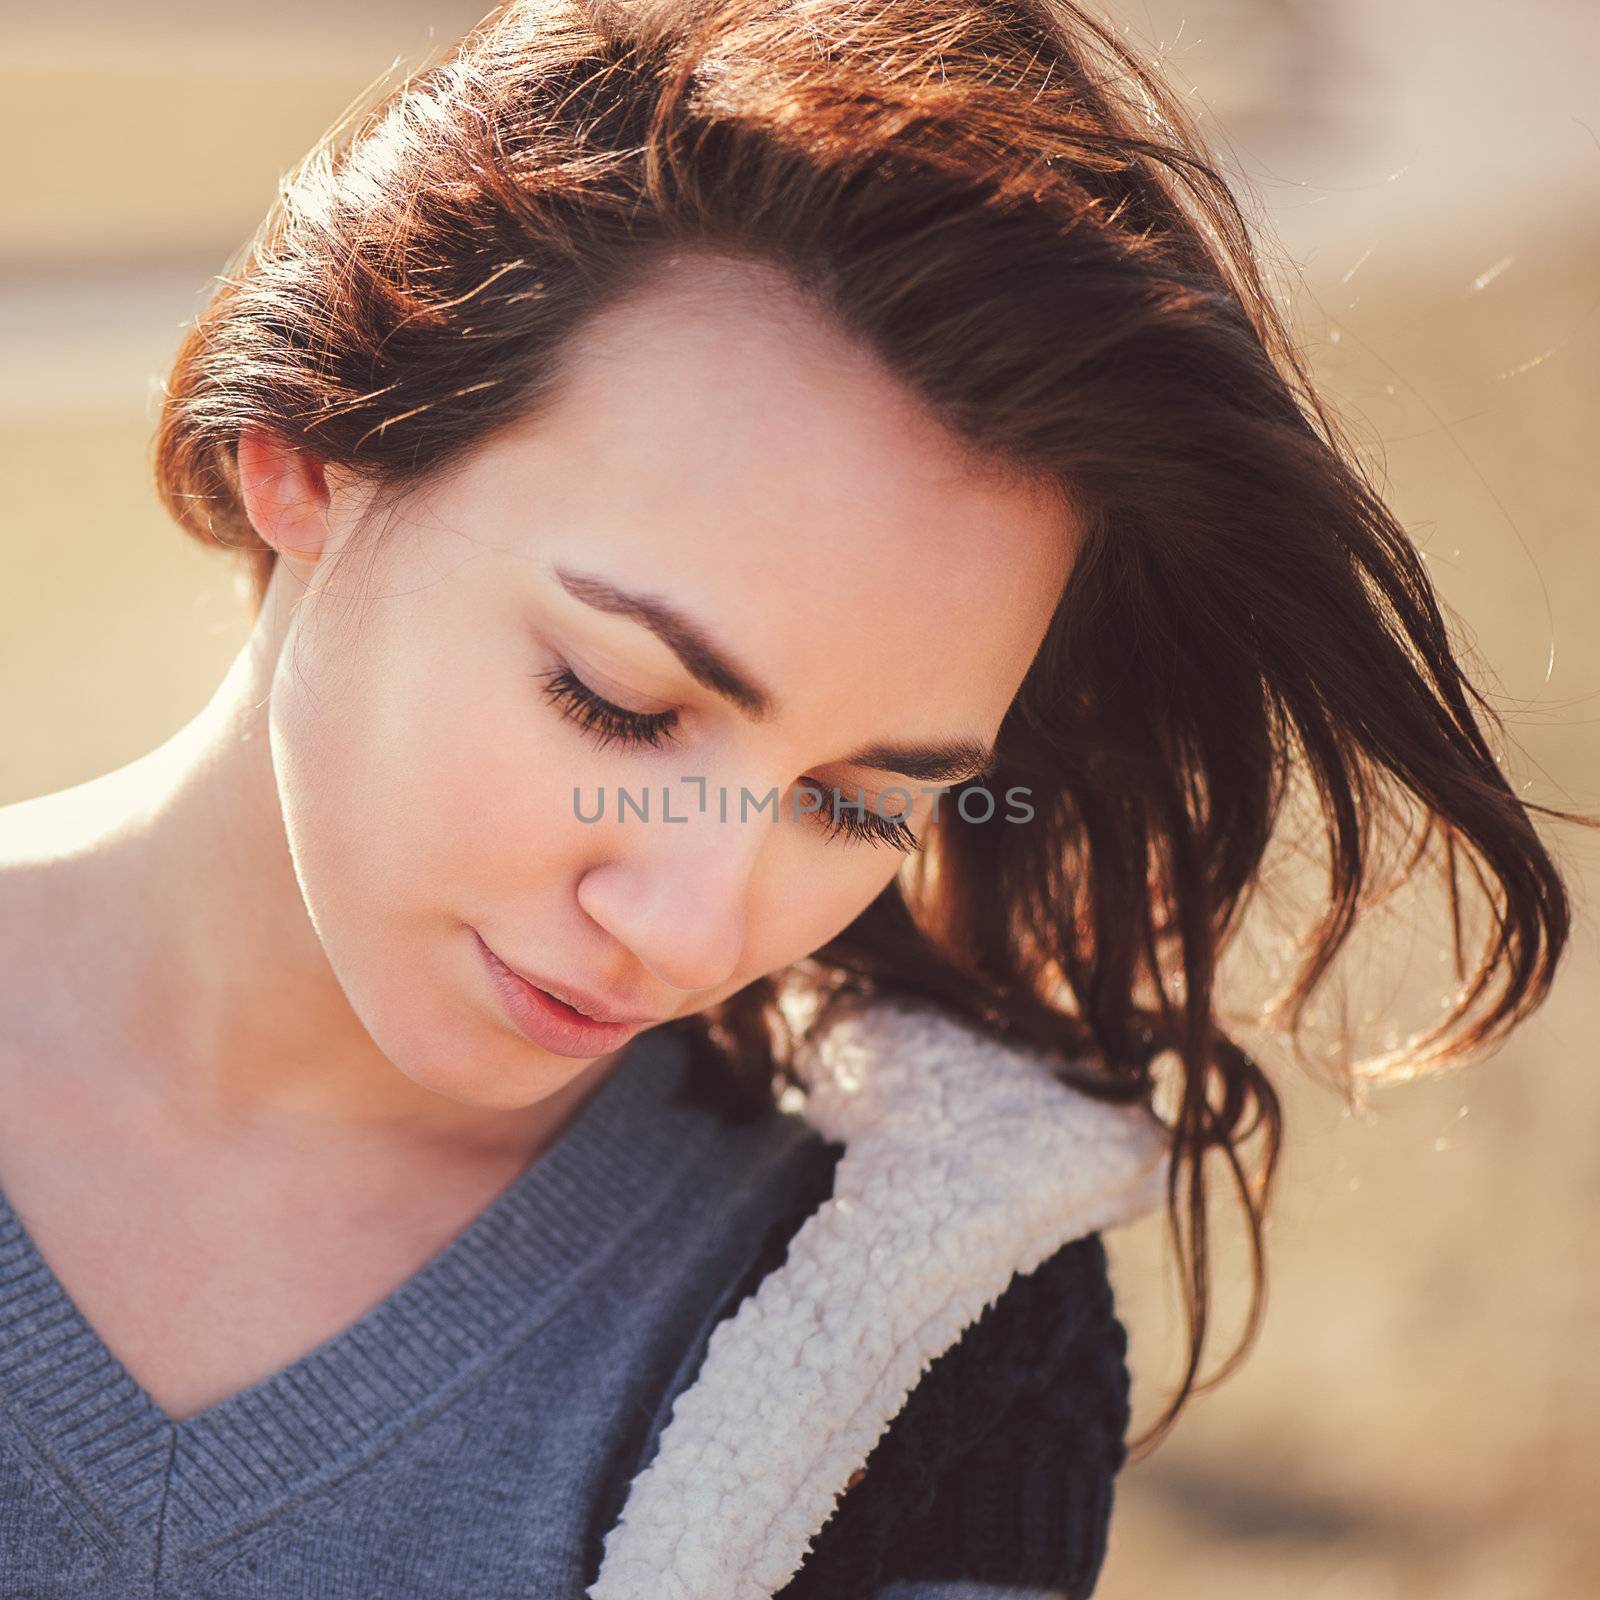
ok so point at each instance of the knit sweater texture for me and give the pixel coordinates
(477, 1432)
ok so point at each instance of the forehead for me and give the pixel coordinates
(719, 439)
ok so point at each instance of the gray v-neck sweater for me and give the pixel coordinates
(462, 1440)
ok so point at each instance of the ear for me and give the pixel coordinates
(288, 495)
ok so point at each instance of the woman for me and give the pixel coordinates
(794, 560)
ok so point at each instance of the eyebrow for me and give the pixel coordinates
(953, 760)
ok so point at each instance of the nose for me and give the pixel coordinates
(674, 887)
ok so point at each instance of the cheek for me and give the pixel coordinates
(496, 797)
(405, 757)
(351, 769)
(815, 892)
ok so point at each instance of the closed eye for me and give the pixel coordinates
(608, 724)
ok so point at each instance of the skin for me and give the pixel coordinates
(274, 980)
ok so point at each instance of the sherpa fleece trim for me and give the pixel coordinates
(965, 1163)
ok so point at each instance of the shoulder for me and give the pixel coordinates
(1000, 1467)
(60, 891)
(920, 1377)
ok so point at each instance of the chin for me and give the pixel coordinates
(459, 1054)
(510, 1085)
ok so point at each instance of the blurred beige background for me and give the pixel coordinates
(1421, 1415)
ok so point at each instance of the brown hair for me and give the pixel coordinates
(1010, 208)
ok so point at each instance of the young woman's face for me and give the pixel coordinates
(733, 462)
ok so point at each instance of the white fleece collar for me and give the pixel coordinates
(965, 1162)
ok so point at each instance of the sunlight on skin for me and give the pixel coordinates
(278, 906)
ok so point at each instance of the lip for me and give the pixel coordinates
(552, 1023)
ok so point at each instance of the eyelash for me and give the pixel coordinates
(609, 723)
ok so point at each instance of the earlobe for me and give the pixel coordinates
(285, 494)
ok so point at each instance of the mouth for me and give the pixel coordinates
(551, 1020)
